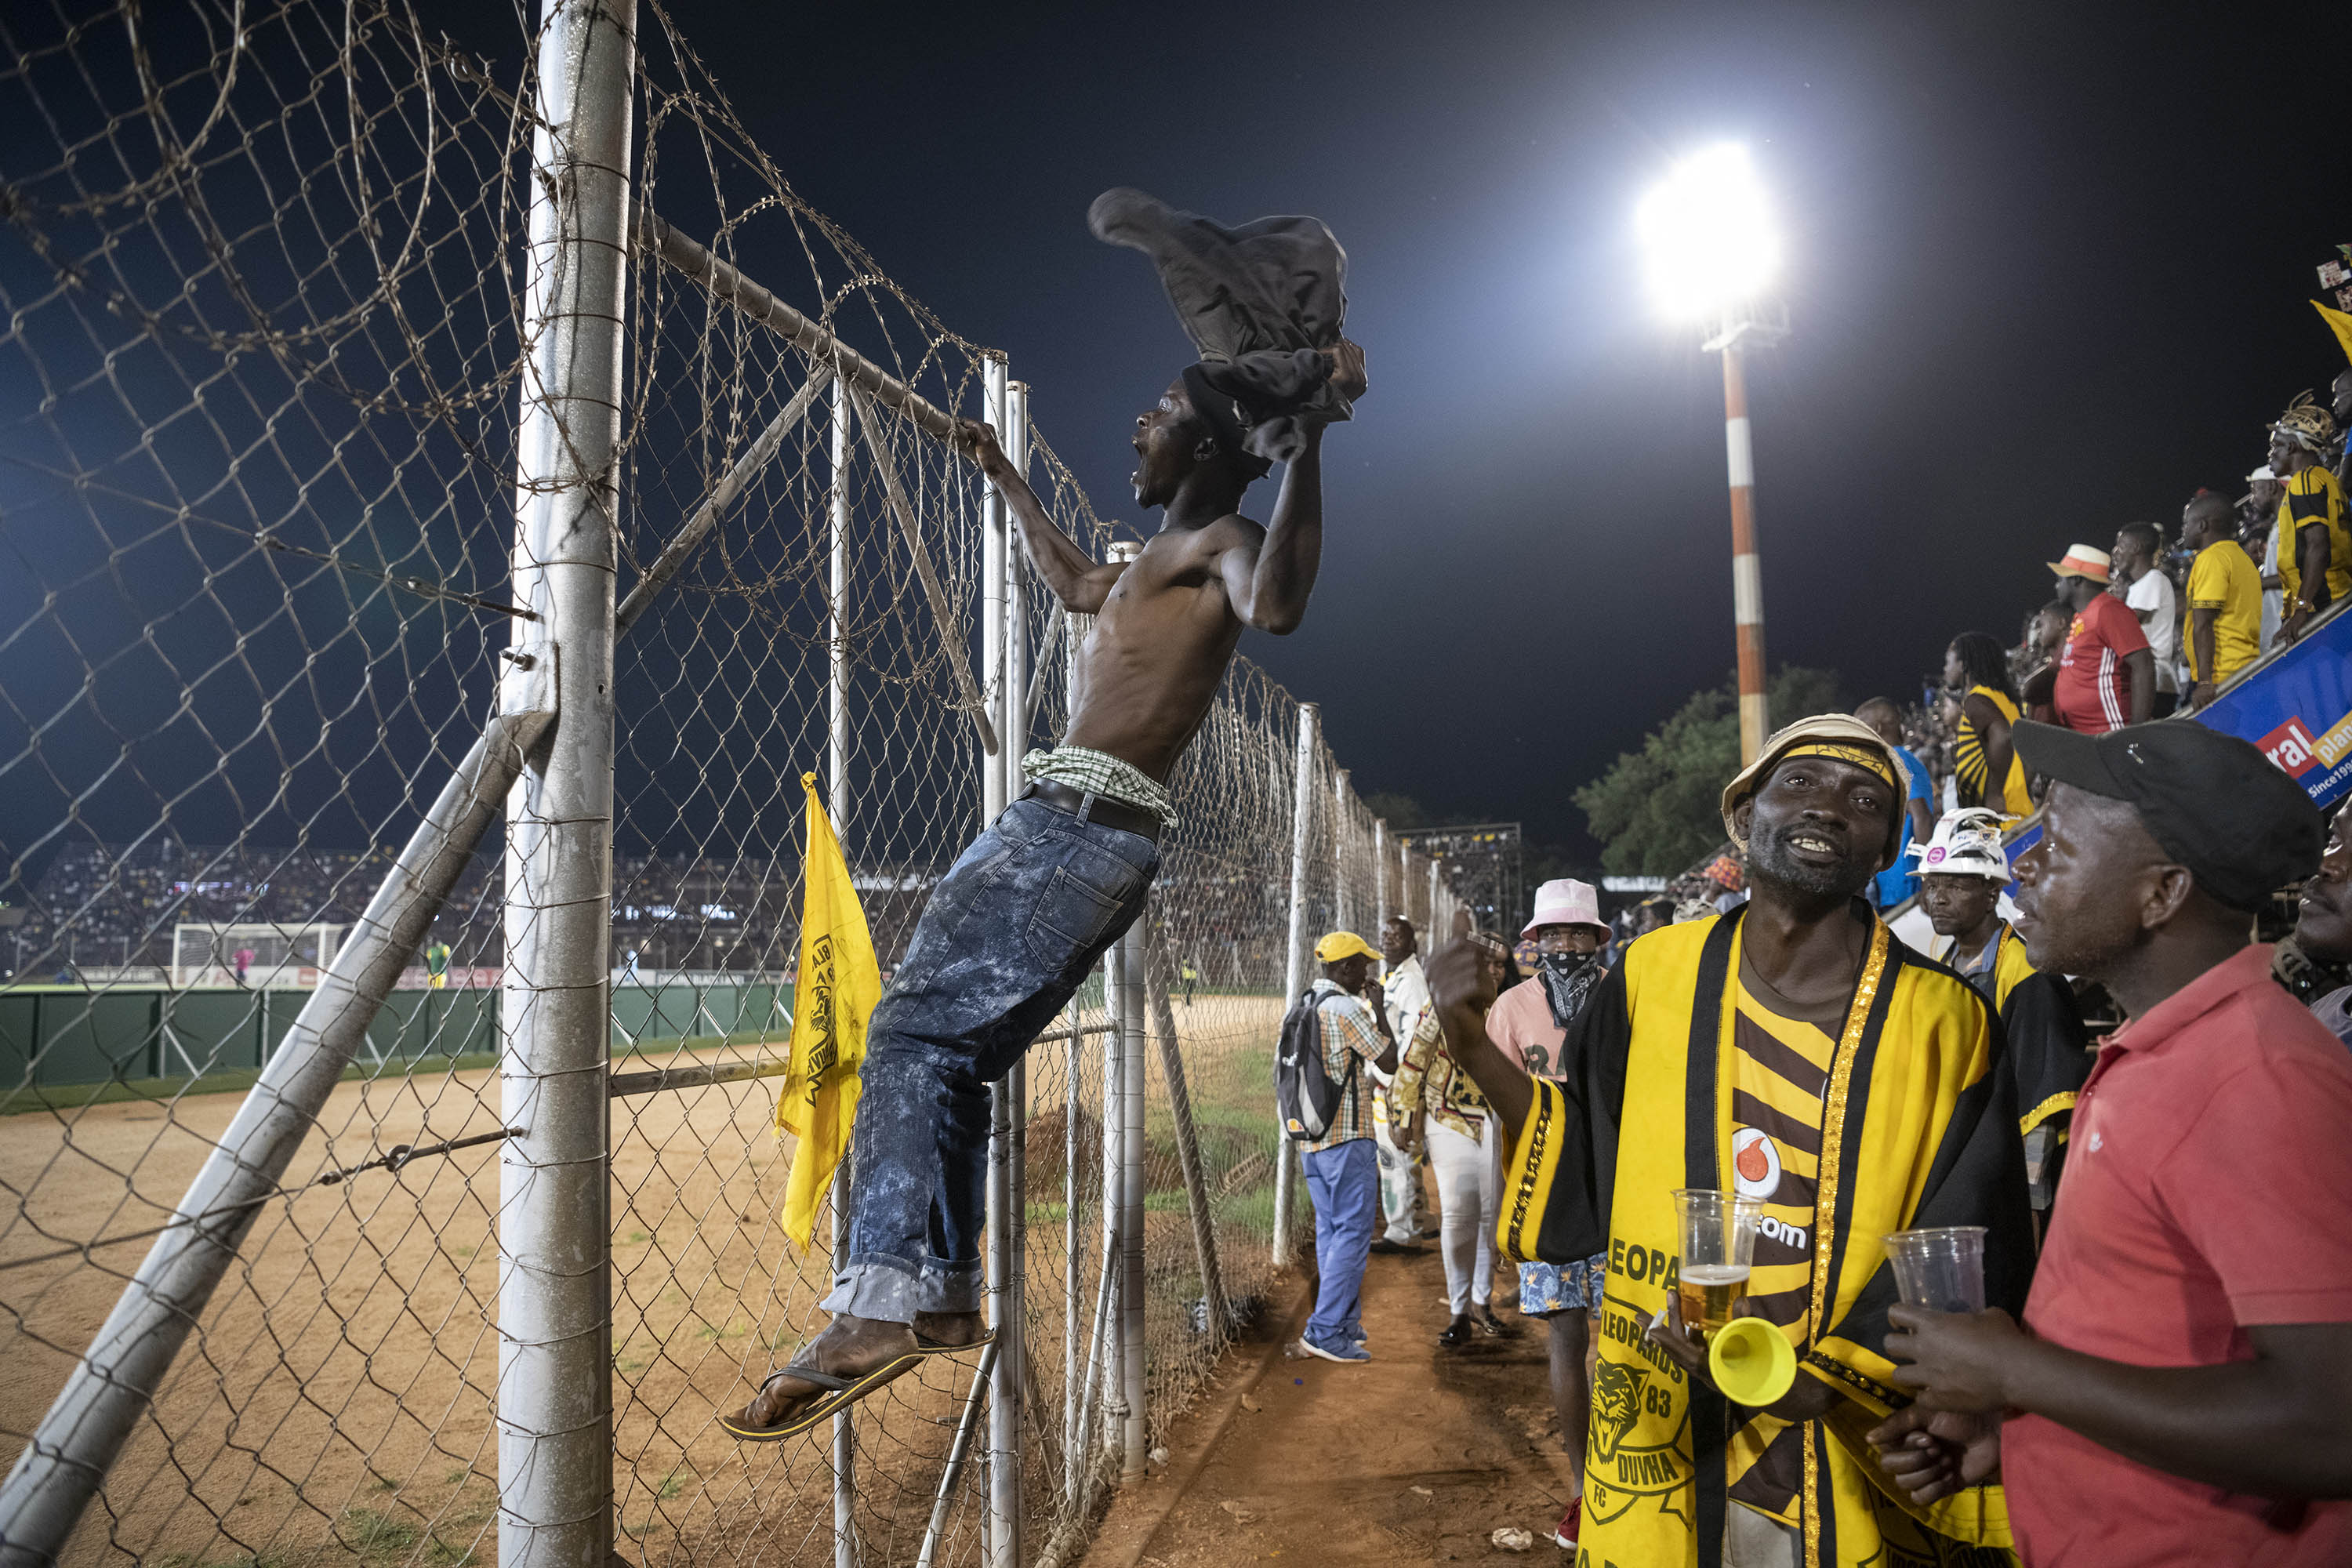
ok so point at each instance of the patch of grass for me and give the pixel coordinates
(57, 1097)
(675, 1482)
(371, 1530)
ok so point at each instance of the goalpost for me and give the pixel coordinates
(256, 957)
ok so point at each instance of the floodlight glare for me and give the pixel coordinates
(1708, 233)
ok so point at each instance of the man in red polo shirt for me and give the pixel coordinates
(2179, 1393)
(2107, 673)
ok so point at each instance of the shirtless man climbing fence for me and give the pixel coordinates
(1031, 907)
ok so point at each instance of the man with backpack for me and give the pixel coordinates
(1329, 1035)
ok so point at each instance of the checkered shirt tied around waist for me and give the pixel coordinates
(1099, 773)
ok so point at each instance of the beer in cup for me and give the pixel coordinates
(1719, 1236)
(1941, 1269)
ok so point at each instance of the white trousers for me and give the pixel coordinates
(1466, 1184)
(1399, 1189)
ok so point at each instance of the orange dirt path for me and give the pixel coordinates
(1415, 1457)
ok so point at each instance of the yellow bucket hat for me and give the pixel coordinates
(1835, 735)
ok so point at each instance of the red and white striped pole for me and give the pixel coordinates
(1747, 580)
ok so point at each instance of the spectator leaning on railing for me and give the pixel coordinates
(1985, 769)
(2225, 594)
(2312, 552)
(2147, 595)
(2107, 673)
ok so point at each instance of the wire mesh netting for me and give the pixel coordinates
(264, 272)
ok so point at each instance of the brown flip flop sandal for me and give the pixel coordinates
(841, 1393)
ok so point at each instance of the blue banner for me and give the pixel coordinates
(2295, 706)
(2298, 709)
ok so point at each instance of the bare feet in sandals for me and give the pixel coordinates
(851, 1357)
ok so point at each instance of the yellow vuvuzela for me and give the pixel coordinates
(838, 986)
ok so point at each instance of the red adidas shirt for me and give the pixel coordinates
(2207, 1188)
(2093, 693)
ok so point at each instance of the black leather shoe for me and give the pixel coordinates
(1455, 1334)
(1386, 1248)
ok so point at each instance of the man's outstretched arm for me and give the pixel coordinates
(1079, 580)
(1460, 995)
(1268, 587)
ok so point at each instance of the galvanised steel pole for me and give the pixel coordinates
(1747, 579)
(1131, 1086)
(845, 1545)
(1380, 868)
(1294, 974)
(1342, 905)
(555, 1316)
(1003, 1521)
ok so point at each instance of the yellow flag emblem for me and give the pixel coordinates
(2337, 322)
(838, 986)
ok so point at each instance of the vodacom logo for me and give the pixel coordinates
(1754, 1164)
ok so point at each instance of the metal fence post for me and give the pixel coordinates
(1294, 972)
(1004, 1511)
(1013, 436)
(1159, 974)
(1381, 866)
(1108, 1354)
(94, 1414)
(1130, 1198)
(554, 1317)
(1343, 904)
(845, 1544)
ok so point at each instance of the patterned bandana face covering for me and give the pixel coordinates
(1099, 773)
(1568, 979)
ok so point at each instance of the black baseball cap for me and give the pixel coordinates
(2213, 802)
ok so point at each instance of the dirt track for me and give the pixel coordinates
(1416, 1457)
(335, 1406)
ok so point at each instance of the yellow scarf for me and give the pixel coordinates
(1919, 1127)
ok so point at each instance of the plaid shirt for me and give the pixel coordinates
(1099, 773)
(1349, 1029)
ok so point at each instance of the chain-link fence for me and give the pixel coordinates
(400, 433)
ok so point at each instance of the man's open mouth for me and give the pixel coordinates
(1806, 842)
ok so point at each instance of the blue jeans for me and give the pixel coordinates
(1001, 948)
(1344, 1181)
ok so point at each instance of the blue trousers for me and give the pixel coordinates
(1344, 1181)
(1005, 942)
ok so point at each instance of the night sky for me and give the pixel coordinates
(2047, 273)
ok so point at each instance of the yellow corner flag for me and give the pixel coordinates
(838, 986)
(2340, 323)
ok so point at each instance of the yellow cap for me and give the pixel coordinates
(1342, 944)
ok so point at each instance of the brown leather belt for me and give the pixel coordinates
(1109, 813)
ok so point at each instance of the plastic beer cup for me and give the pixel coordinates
(1718, 1245)
(1940, 1269)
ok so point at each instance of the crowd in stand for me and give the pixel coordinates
(2135, 1108)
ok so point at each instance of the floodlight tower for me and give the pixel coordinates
(1713, 249)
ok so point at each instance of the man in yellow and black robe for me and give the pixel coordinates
(1793, 1050)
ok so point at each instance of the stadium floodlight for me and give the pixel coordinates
(1708, 233)
(1712, 251)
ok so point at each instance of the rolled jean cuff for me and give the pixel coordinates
(884, 1289)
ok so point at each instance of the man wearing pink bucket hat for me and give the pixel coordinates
(1528, 1024)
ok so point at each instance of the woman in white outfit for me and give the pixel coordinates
(1433, 1093)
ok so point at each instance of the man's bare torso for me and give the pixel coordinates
(1152, 666)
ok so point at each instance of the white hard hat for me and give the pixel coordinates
(1967, 843)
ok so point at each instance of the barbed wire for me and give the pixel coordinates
(262, 273)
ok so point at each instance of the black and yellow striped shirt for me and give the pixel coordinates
(2312, 499)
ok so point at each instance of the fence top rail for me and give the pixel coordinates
(728, 283)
